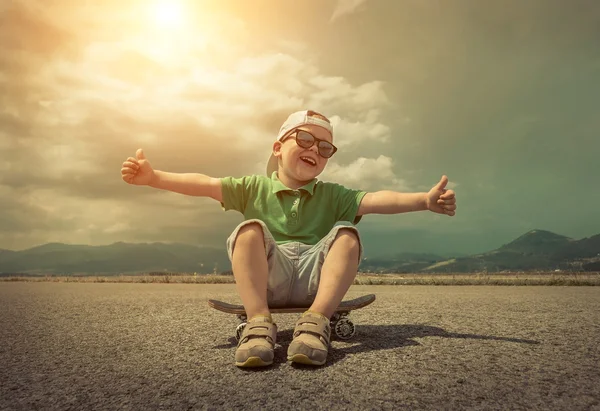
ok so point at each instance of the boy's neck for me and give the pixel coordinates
(290, 182)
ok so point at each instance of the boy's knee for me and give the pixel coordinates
(250, 233)
(349, 238)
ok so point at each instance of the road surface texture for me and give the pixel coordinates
(96, 346)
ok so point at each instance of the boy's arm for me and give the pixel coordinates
(438, 200)
(192, 184)
(392, 202)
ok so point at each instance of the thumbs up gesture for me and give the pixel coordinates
(440, 200)
(138, 170)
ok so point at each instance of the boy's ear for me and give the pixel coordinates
(277, 148)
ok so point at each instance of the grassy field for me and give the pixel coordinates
(552, 278)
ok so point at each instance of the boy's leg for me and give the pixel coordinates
(340, 252)
(254, 258)
(250, 269)
(338, 272)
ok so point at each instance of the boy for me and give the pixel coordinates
(291, 249)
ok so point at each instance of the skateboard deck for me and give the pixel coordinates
(341, 325)
(345, 306)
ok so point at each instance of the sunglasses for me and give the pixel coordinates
(306, 140)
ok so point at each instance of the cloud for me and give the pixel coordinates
(35, 217)
(366, 127)
(370, 174)
(76, 105)
(345, 7)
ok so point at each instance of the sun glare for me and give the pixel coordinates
(167, 14)
(168, 33)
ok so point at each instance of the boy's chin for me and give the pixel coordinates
(305, 175)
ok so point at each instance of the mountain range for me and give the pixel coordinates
(536, 250)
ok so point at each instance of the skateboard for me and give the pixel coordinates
(342, 326)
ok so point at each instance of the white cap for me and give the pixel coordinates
(295, 120)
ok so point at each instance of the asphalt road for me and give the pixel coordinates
(100, 346)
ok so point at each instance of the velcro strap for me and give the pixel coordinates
(321, 330)
(258, 330)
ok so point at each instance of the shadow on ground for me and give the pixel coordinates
(377, 337)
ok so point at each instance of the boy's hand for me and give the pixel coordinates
(440, 200)
(137, 171)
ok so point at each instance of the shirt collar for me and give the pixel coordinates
(279, 186)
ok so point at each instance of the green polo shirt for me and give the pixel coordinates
(305, 215)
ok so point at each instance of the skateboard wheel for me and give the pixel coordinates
(239, 330)
(344, 328)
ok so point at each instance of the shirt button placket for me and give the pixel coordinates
(294, 210)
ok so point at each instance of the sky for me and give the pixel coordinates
(503, 97)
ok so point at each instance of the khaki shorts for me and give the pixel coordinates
(294, 268)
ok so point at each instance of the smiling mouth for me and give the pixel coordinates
(309, 161)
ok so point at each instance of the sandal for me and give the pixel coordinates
(311, 339)
(256, 347)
